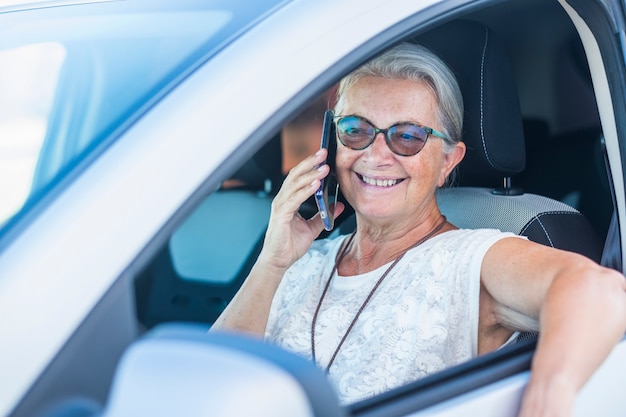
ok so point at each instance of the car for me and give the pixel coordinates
(142, 141)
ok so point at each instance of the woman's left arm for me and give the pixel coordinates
(581, 308)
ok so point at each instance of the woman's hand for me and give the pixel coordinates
(289, 235)
(553, 399)
(287, 238)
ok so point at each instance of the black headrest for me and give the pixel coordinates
(263, 171)
(492, 126)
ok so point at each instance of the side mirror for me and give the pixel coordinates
(181, 370)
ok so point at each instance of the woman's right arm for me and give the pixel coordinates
(288, 237)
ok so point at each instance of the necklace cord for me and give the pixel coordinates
(338, 260)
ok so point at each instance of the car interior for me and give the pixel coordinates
(535, 166)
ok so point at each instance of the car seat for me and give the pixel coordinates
(576, 133)
(493, 133)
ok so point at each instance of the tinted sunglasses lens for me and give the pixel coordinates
(407, 139)
(354, 132)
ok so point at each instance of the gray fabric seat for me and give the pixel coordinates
(494, 136)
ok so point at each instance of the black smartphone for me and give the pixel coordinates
(326, 194)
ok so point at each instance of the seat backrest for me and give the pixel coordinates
(492, 124)
(494, 136)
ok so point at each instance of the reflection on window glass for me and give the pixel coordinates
(69, 82)
(28, 80)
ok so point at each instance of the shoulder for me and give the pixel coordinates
(457, 252)
(479, 233)
(472, 239)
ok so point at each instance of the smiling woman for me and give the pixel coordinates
(407, 293)
(156, 196)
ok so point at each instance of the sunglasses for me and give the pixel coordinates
(404, 139)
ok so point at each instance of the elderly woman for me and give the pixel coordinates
(408, 293)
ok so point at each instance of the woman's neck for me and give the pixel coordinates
(375, 245)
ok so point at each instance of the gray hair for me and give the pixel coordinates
(414, 62)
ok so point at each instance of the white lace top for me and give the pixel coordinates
(423, 317)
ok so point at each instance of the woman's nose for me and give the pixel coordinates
(379, 148)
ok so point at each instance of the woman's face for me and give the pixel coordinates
(383, 186)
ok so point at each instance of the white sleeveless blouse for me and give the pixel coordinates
(423, 317)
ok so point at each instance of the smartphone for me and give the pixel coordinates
(326, 194)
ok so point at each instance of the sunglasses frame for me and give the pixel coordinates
(429, 131)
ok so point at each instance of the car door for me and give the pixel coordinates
(68, 292)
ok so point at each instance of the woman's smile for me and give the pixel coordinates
(380, 182)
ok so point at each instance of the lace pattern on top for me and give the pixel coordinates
(422, 319)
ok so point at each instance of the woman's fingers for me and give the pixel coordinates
(302, 182)
(289, 235)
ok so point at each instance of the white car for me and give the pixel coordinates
(121, 121)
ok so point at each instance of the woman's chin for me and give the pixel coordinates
(376, 215)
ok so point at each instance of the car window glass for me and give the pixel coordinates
(28, 79)
(85, 73)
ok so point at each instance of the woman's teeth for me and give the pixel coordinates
(379, 183)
